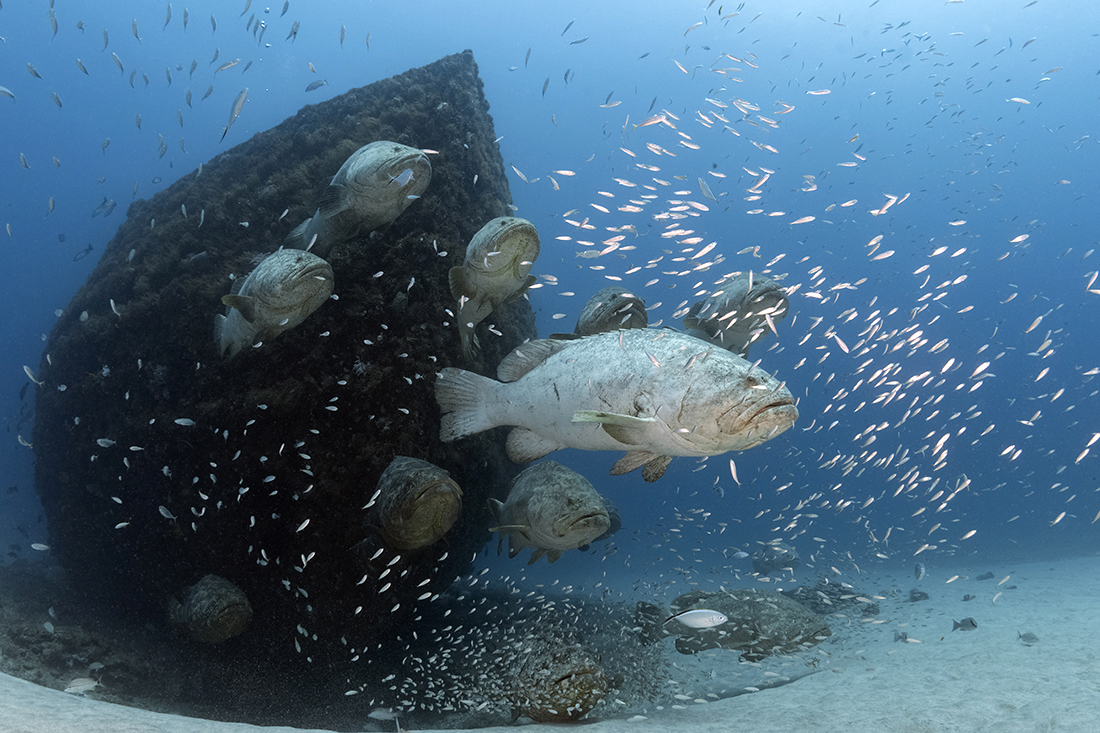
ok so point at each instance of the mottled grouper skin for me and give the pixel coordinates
(653, 393)
(215, 610)
(367, 193)
(418, 502)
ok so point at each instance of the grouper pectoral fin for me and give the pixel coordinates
(332, 201)
(632, 460)
(524, 446)
(243, 303)
(655, 469)
(623, 428)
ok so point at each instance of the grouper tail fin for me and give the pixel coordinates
(462, 397)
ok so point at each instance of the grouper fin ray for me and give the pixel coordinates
(524, 446)
(655, 469)
(303, 234)
(243, 303)
(460, 286)
(496, 508)
(462, 397)
(526, 357)
(332, 201)
(623, 428)
(632, 460)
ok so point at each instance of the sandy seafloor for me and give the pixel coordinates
(982, 680)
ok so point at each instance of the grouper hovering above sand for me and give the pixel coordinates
(552, 509)
(652, 393)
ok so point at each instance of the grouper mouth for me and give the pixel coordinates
(774, 416)
(567, 525)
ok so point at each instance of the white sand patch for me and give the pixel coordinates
(981, 680)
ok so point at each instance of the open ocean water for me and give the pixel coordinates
(919, 176)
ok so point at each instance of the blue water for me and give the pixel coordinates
(926, 87)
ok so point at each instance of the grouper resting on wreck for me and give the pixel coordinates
(283, 290)
(374, 185)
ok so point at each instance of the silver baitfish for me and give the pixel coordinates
(283, 290)
(417, 504)
(741, 313)
(371, 189)
(215, 610)
(550, 508)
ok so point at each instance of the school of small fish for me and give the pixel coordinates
(874, 351)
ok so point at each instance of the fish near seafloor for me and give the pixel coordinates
(497, 268)
(550, 508)
(553, 680)
(967, 624)
(654, 394)
(699, 618)
(370, 190)
(1027, 638)
(740, 313)
(417, 504)
(215, 610)
(283, 290)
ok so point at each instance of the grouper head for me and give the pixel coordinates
(426, 515)
(567, 518)
(731, 405)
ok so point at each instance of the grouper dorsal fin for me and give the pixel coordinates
(526, 357)
(243, 303)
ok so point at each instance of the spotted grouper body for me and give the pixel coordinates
(283, 290)
(215, 610)
(652, 393)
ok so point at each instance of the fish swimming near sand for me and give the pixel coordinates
(967, 624)
(1027, 638)
(550, 508)
(652, 393)
(919, 571)
(699, 618)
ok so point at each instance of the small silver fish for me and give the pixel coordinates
(699, 618)
(316, 85)
(1027, 638)
(967, 624)
(919, 571)
(401, 179)
(238, 105)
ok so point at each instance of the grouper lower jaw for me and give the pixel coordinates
(587, 524)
